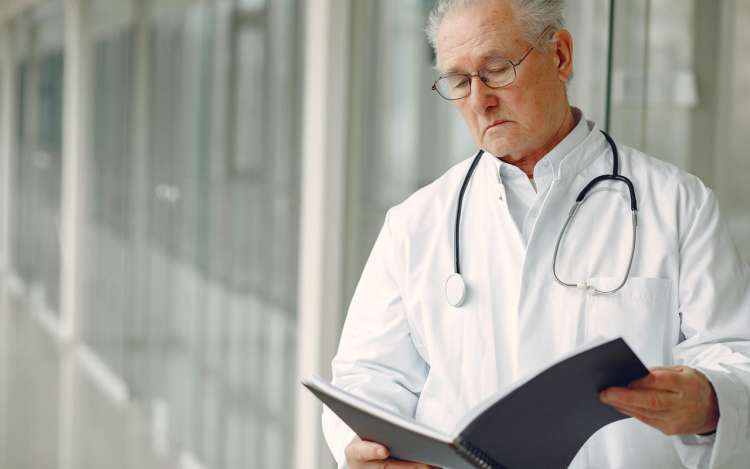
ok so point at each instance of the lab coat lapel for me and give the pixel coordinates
(493, 261)
(550, 314)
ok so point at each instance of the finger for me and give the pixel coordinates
(660, 425)
(367, 451)
(650, 399)
(624, 411)
(660, 416)
(670, 369)
(397, 464)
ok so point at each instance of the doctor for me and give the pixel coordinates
(419, 343)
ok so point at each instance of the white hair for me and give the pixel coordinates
(535, 16)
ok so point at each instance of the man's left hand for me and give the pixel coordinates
(676, 400)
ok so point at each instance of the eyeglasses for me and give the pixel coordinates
(496, 73)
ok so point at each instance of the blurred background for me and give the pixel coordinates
(189, 190)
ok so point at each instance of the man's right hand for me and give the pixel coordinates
(369, 455)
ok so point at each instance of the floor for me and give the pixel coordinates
(53, 415)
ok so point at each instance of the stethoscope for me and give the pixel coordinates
(455, 287)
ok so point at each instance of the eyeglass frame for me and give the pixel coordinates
(478, 73)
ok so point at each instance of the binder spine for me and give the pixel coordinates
(476, 456)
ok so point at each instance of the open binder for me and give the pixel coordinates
(541, 422)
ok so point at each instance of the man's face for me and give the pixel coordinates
(520, 120)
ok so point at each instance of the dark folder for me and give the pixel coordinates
(542, 422)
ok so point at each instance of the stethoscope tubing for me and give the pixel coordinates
(455, 286)
(467, 178)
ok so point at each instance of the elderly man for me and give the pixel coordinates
(432, 349)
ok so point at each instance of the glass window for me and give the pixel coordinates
(36, 213)
(587, 21)
(728, 115)
(107, 300)
(679, 73)
(193, 218)
(654, 87)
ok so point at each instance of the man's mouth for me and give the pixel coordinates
(496, 124)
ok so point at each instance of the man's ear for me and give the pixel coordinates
(563, 50)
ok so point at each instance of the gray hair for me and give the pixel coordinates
(535, 16)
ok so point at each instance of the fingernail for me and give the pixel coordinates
(381, 452)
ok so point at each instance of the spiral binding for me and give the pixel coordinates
(476, 456)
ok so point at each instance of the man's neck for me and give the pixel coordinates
(527, 164)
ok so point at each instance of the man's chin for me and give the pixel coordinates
(504, 152)
(500, 145)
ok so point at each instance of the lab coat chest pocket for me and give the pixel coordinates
(642, 312)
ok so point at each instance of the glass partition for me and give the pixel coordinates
(730, 166)
(36, 203)
(679, 74)
(192, 222)
(588, 20)
(107, 298)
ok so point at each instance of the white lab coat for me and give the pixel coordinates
(687, 302)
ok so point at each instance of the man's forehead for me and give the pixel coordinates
(473, 53)
(475, 33)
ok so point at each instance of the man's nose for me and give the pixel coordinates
(482, 97)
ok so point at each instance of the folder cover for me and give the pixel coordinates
(541, 422)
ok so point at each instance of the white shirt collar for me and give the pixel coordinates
(552, 161)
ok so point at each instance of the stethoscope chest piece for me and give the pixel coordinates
(455, 290)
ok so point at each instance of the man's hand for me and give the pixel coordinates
(368, 455)
(676, 400)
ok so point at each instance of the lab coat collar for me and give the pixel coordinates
(566, 159)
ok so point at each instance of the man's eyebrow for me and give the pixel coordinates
(490, 54)
(451, 71)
